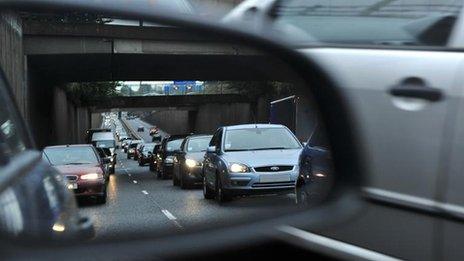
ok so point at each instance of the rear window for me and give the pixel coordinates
(372, 22)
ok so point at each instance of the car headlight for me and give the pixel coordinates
(131, 150)
(238, 168)
(92, 176)
(169, 159)
(191, 163)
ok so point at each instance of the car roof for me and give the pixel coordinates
(199, 136)
(253, 126)
(69, 146)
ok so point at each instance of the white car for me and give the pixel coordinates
(401, 68)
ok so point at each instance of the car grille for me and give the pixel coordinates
(71, 177)
(275, 168)
(273, 184)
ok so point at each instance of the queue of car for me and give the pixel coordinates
(241, 160)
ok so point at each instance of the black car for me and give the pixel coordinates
(154, 158)
(105, 153)
(146, 153)
(165, 160)
(140, 129)
(315, 170)
(188, 161)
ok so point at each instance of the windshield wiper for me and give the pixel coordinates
(271, 148)
(77, 163)
(238, 150)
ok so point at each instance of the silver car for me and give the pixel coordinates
(250, 159)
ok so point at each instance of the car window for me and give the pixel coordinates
(173, 145)
(198, 144)
(259, 139)
(373, 22)
(71, 155)
(12, 139)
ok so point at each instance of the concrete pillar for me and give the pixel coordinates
(12, 57)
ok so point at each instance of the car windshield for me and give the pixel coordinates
(148, 147)
(105, 144)
(71, 156)
(173, 145)
(378, 22)
(198, 144)
(259, 139)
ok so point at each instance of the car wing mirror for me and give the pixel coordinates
(253, 58)
(211, 149)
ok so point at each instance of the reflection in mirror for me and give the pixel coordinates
(194, 131)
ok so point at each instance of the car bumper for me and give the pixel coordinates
(90, 188)
(260, 183)
(194, 175)
(168, 169)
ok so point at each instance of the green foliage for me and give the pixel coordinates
(252, 89)
(86, 92)
(67, 18)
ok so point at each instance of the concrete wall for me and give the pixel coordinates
(205, 119)
(12, 58)
(212, 116)
(171, 121)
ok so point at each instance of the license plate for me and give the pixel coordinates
(72, 185)
(274, 178)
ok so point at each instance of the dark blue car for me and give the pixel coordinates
(315, 170)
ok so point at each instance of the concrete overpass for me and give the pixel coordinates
(172, 101)
(47, 55)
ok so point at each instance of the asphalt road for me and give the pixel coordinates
(138, 202)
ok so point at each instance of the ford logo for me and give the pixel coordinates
(275, 168)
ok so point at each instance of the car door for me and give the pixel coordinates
(450, 196)
(401, 139)
(400, 96)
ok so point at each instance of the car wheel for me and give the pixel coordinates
(151, 168)
(221, 195)
(140, 162)
(207, 192)
(112, 170)
(128, 156)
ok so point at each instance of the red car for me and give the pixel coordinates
(83, 168)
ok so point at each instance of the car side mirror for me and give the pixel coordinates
(211, 149)
(304, 144)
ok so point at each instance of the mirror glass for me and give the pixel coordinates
(126, 89)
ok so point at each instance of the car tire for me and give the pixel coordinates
(140, 162)
(207, 192)
(220, 195)
(152, 168)
(112, 170)
(128, 156)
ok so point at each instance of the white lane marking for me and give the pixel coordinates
(135, 181)
(168, 214)
(145, 192)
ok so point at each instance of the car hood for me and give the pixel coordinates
(78, 169)
(263, 157)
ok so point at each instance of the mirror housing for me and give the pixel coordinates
(211, 149)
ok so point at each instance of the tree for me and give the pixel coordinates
(86, 92)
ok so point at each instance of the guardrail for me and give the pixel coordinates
(130, 130)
